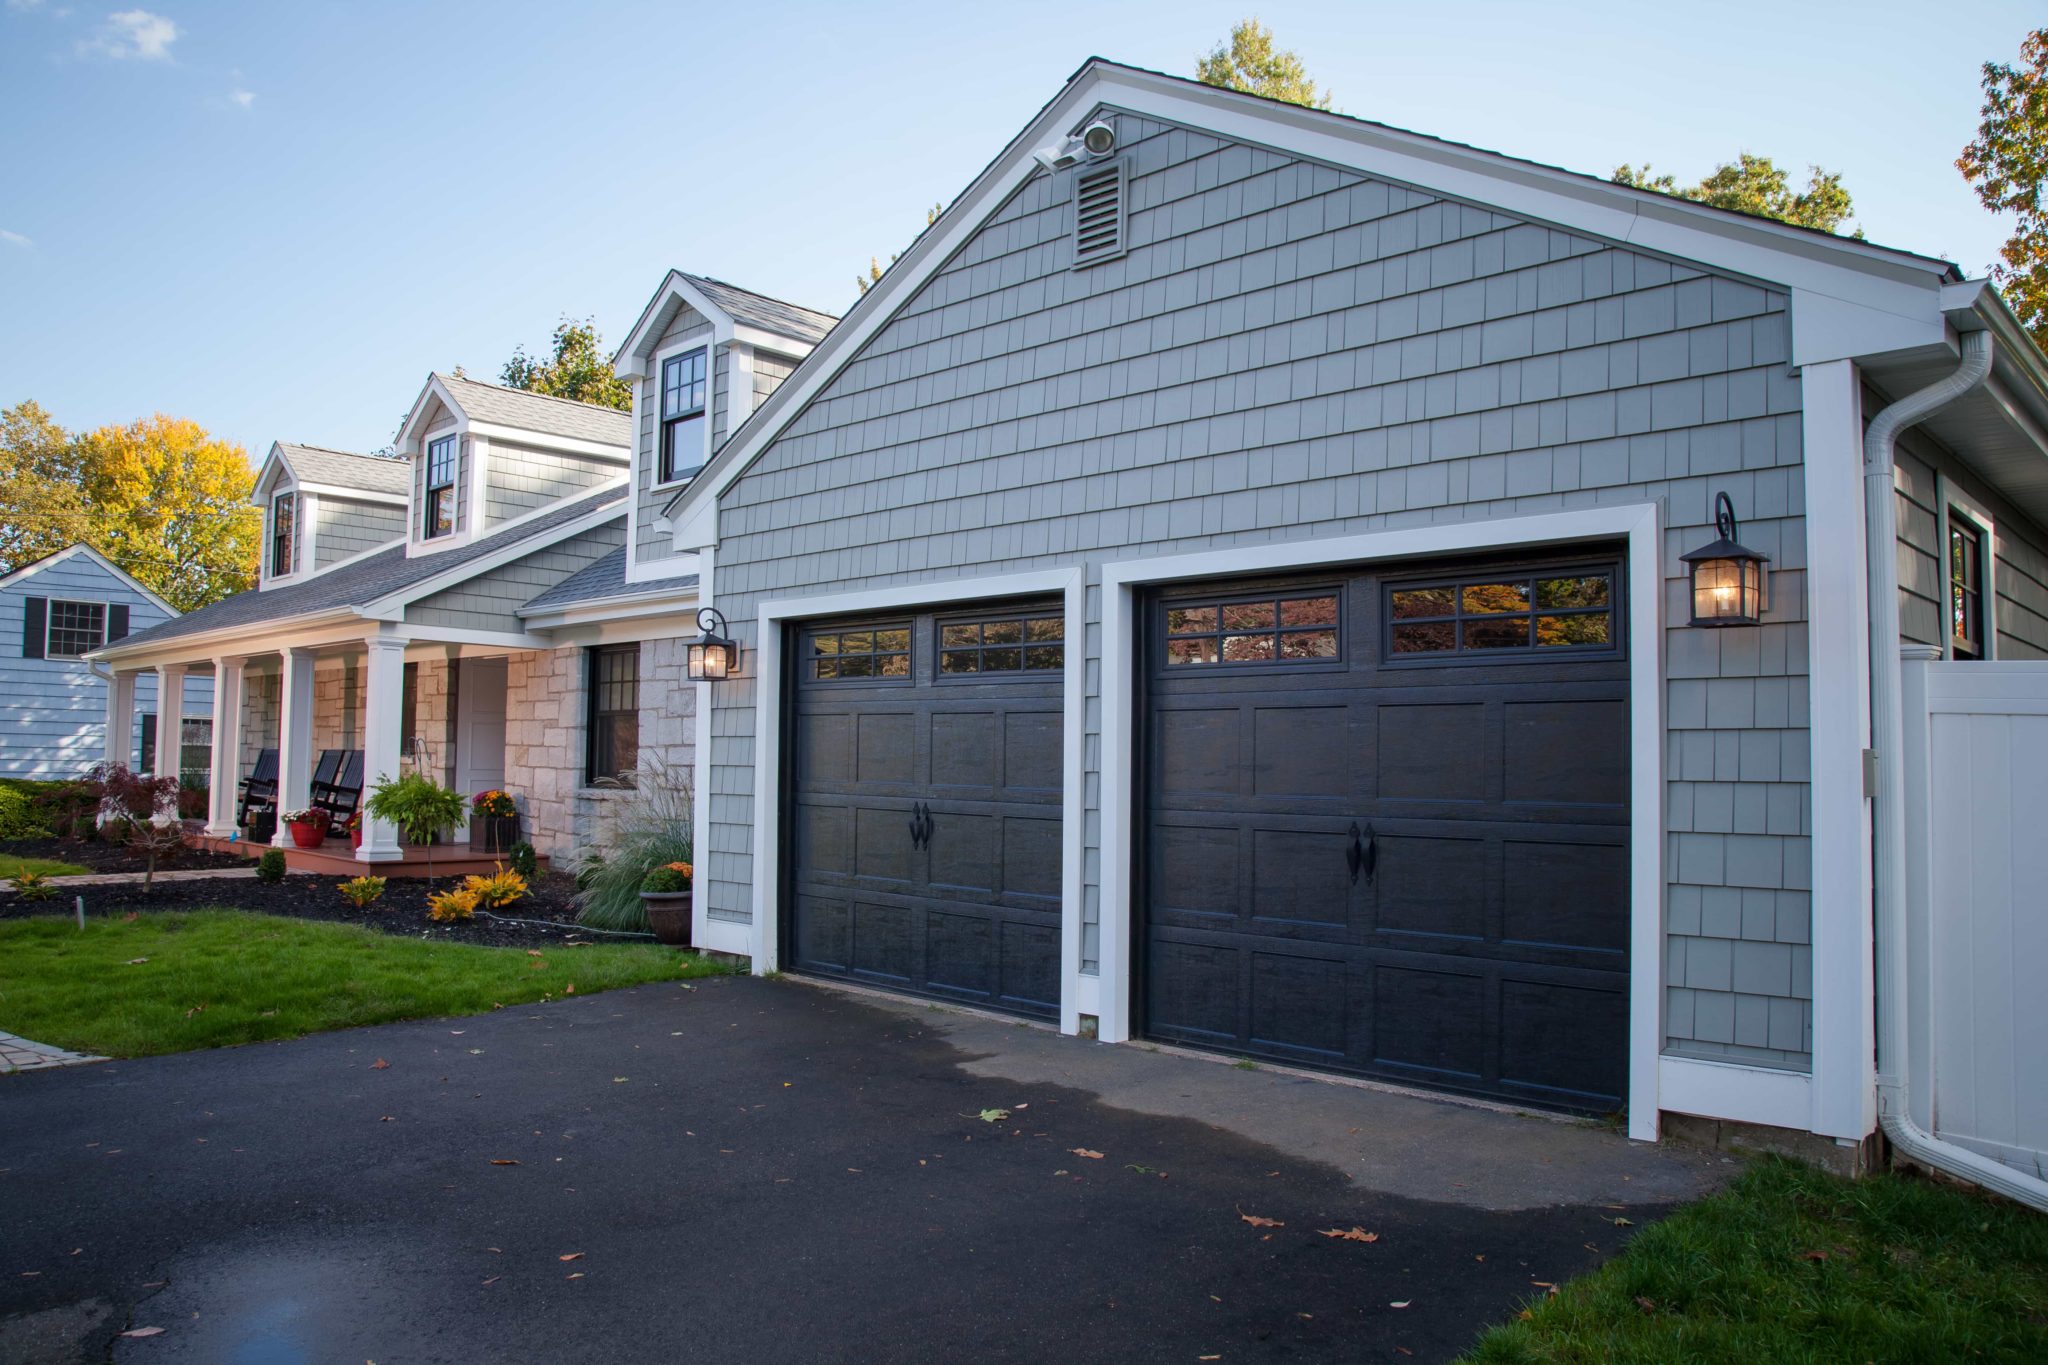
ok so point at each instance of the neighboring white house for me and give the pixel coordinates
(53, 704)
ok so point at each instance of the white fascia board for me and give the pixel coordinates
(247, 639)
(28, 571)
(343, 491)
(631, 360)
(1876, 279)
(775, 343)
(433, 388)
(663, 625)
(569, 445)
(259, 492)
(392, 605)
(627, 607)
(482, 639)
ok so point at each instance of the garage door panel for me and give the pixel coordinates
(1193, 991)
(885, 750)
(963, 853)
(1562, 751)
(1300, 1004)
(1572, 895)
(1433, 884)
(1302, 752)
(824, 839)
(1032, 757)
(1030, 965)
(964, 749)
(882, 845)
(1032, 855)
(1301, 876)
(884, 940)
(960, 953)
(1564, 1039)
(1433, 752)
(1433, 1021)
(825, 746)
(1200, 752)
(1195, 870)
(824, 930)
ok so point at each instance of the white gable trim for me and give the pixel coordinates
(1848, 293)
(631, 361)
(348, 494)
(28, 571)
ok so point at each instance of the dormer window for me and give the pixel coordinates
(439, 505)
(284, 525)
(682, 415)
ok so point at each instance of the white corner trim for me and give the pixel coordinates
(1637, 523)
(1744, 1094)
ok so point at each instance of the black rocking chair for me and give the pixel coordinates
(338, 788)
(259, 789)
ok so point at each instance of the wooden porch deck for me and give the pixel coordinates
(336, 859)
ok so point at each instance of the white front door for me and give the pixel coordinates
(480, 726)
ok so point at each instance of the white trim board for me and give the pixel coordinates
(1636, 523)
(51, 561)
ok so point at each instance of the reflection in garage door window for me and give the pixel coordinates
(1508, 612)
(848, 655)
(1269, 630)
(1020, 644)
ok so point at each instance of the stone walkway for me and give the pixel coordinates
(19, 1054)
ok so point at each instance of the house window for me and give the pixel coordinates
(75, 627)
(1266, 630)
(284, 519)
(843, 655)
(1540, 612)
(195, 751)
(682, 415)
(1965, 587)
(614, 714)
(440, 500)
(1027, 644)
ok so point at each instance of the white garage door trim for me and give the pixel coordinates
(1636, 522)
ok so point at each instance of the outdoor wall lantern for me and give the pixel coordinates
(1729, 580)
(713, 658)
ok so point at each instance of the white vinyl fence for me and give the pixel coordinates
(1976, 954)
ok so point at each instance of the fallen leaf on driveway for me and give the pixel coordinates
(1083, 1151)
(1623, 1223)
(380, 1065)
(572, 1256)
(503, 1161)
(994, 1115)
(1400, 1303)
(618, 1080)
(577, 1275)
(1259, 1222)
(1354, 1234)
(143, 1332)
(494, 1279)
(388, 1118)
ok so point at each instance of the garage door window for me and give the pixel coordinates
(1537, 612)
(850, 655)
(1021, 644)
(1264, 631)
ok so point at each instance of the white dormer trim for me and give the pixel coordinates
(304, 506)
(541, 440)
(417, 542)
(632, 360)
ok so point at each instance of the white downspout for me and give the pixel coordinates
(1888, 821)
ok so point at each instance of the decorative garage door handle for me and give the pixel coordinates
(1362, 854)
(1354, 856)
(920, 825)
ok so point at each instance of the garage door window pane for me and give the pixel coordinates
(997, 646)
(1427, 637)
(1268, 630)
(882, 652)
(1510, 633)
(1309, 611)
(1491, 598)
(1202, 651)
(960, 661)
(1190, 620)
(1588, 629)
(1309, 644)
(1425, 602)
(1589, 590)
(1564, 611)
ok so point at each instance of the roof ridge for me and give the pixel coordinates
(529, 393)
(755, 293)
(336, 450)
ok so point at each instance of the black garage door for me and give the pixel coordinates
(924, 805)
(1386, 825)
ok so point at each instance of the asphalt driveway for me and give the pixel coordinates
(764, 1171)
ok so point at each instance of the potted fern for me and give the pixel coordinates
(419, 806)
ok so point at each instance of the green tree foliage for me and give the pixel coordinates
(578, 368)
(1752, 184)
(160, 497)
(1249, 62)
(868, 278)
(2007, 165)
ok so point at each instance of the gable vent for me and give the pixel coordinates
(1098, 214)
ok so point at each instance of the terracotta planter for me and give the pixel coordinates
(493, 833)
(355, 839)
(668, 915)
(308, 833)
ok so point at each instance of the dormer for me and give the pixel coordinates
(481, 457)
(702, 357)
(321, 507)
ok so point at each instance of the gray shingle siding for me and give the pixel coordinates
(53, 712)
(343, 527)
(769, 372)
(1291, 351)
(490, 600)
(520, 478)
(2019, 612)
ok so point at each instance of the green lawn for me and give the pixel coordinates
(214, 978)
(12, 867)
(1794, 1265)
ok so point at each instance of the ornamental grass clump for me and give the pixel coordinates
(362, 892)
(651, 828)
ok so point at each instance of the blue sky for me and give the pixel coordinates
(276, 218)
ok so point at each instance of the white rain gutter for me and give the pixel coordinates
(1888, 824)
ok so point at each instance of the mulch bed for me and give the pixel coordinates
(106, 857)
(401, 910)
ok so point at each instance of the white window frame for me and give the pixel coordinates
(1950, 500)
(270, 570)
(427, 443)
(703, 341)
(50, 623)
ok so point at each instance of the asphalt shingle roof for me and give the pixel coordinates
(540, 412)
(604, 578)
(758, 310)
(346, 469)
(364, 581)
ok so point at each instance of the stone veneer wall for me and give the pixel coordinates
(337, 705)
(434, 685)
(261, 712)
(544, 742)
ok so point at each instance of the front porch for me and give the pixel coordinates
(336, 859)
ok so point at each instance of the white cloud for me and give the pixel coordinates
(14, 238)
(132, 33)
(242, 98)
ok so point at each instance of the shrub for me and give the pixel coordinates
(419, 806)
(361, 892)
(496, 891)
(524, 860)
(652, 828)
(493, 805)
(446, 907)
(192, 803)
(669, 877)
(270, 867)
(34, 886)
(67, 809)
(19, 818)
(145, 812)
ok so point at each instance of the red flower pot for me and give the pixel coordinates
(355, 837)
(308, 833)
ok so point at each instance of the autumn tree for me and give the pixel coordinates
(41, 507)
(578, 369)
(170, 504)
(2007, 165)
(1752, 184)
(1249, 62)
(868, 278)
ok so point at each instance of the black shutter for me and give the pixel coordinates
(117, 622)
(34, 622)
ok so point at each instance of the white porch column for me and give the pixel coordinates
(383, 714)
(294, 739)
(170, 715)
(121, 719)
(227, 747)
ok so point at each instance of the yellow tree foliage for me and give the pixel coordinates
(1251, 63)
(170, 504)
(41, 508)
